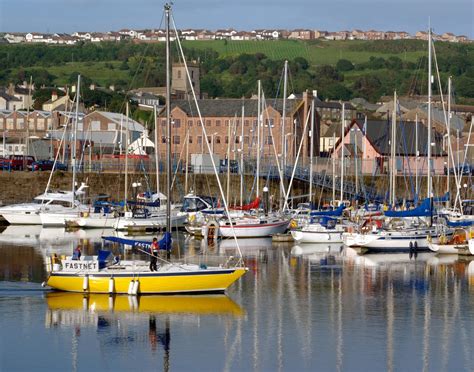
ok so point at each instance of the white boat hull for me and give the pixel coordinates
(157, 222)
(93, 221)
(446, 248)
(253, 230)
(387, 242)
(57, 219)
(22, 218)
(302, 236)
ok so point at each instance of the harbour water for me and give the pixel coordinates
(308, 307)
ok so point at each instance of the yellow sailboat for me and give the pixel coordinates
(134, 278)
(97, 275)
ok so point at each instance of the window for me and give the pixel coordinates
(95, 125)
(269, 122)
(208, 123)
(246, 140)
(20, 123)
(177, 123)
(208, 139)
(40, 124)
(48, 123)
(190, 123)
(255, 123)
(226, 139)
(199, 140)
(218, 139)
(10, 124)
(31, 123)
(269, 140)
(237, 139)
(190, 139)
(176, 140)
(246, 123)
(218, 123)
(163, 139)
(179, 74)
(111, 126)
(163, 123)
(227, 123)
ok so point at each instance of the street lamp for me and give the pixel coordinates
(212, 141)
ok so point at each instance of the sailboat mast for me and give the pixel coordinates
(334, 169)
(342, 150)
(393, 139)
(430, 79)
(168, 119)
(258, 137)
(126, 156)
(448, 139)
(241, 167)
(157, 158)
(283, 138)
(417, 154)
(311, 150)
(73, 154)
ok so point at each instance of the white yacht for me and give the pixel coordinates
(29, 213)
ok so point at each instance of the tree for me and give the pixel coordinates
(344, 65)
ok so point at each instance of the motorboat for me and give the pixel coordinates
(320, 230)
(29, 213)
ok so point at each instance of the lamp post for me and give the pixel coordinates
(4, 149)
(212, 142)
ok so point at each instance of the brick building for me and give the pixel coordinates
(224, 116)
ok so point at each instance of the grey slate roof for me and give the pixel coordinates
(378, 133)
(230, 107)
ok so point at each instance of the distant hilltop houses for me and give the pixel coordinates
(225, 34)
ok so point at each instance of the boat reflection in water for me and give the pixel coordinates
(131, 320)
(63, 302)
(308, 249)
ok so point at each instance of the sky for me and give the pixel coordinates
(455, 16)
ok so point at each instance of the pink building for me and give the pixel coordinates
(370, 144)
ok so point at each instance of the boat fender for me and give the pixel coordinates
(49, 265)
(43, 284)
(85, 283)
(136, 287)
(293, 224)
(111, 285)
(130, 287)
(203, 266)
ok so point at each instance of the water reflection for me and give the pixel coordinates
(299, 308)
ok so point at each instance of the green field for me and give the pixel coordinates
(316, 52)
(96, 71)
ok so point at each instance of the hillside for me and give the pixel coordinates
(337, 69)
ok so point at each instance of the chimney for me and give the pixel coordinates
(54, 96)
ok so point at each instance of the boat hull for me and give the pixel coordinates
(22, 218)
(254, 231)
(92, 221)
(302, 236)
(447, 248)
(150, 283)
(386, 243)
(148, 223)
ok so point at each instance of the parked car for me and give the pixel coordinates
(42, 165)
(464, 170)
(233, 166)
(17, 162)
